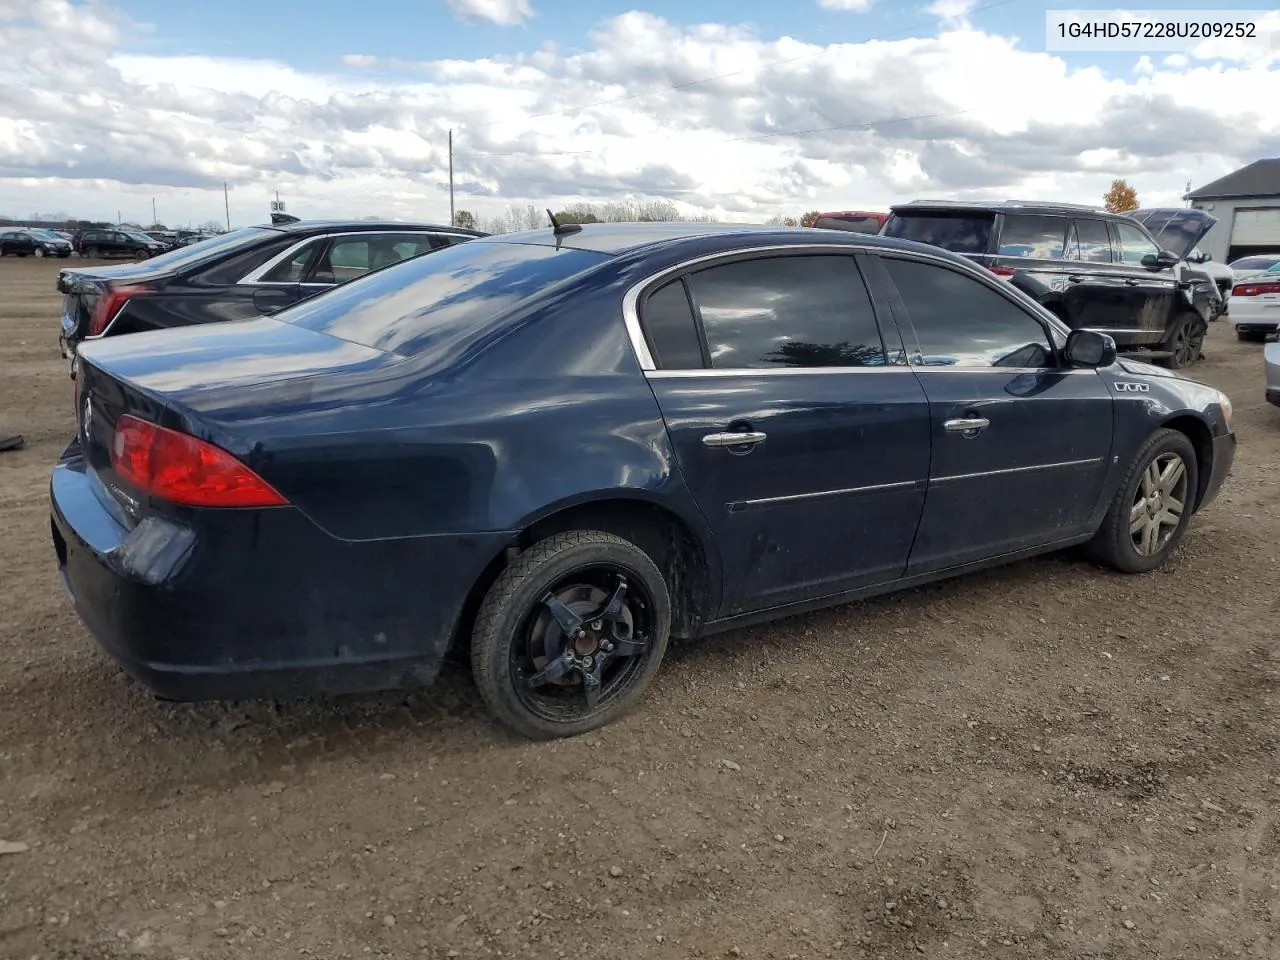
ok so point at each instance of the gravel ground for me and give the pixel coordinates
(1047, 760)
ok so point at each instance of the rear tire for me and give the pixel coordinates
(1187, 341)
(1126, 540)
(518, 638)
(92, 253)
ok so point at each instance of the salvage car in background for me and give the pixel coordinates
(99, 244)
(1248, 266)
(557, 448)
(1094, 270)
(1255, 305)
(20, 242)
(248, 273)
(1172, 228)
(1271, 362)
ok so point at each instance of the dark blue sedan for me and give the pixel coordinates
(557, 449)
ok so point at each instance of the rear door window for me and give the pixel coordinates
(959, 233)
(792, 311)
(293, 269)
(1090, 241)
(1032, 235)
(671, 329)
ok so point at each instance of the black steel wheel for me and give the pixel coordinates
(571, 634)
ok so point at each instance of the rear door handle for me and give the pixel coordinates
(969, 426)
(1074, 278)
(1130, 282)
(734, 439)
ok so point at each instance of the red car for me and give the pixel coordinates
(855, 221)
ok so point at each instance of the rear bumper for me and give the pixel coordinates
(231, 614)
(1254, 315)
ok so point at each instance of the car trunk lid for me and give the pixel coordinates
(187, 380)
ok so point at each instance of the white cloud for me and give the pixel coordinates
(505, 13)
(90, 125)
(951, 9)
(857, 6)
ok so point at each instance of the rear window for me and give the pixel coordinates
(414, 306)
(223, 243)
(957, 232)
(1254, 263)
(852, 224)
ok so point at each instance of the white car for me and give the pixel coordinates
(1255, 304)
(1271, 357)
(1254, 264)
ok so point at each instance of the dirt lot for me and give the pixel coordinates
(1044, 761)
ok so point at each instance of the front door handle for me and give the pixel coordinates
(969, 426)
(1075, 278)
(1130, 282)
(734, 439)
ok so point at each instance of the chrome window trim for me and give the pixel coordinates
(889, 368)
(254, 275)
(640, 346)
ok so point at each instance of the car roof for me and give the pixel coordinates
(616, 239)
(1003, 206)
(310, 226)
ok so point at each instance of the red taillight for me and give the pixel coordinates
(1005, 272)
(182, 469)
(1255, 289)
(112, 302)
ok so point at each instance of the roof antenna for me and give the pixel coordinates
(560, 229)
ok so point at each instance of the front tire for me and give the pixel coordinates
(1150, 512)
(39, 254)
(571, 634)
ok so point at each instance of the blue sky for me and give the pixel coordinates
(346, 107)
(313, 34)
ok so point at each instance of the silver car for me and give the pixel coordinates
(1271, 357)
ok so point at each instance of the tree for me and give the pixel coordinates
(1121, 198)
(810, 218)
(465, 219)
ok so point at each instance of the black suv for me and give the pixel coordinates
(110, 242)
(234, 276)
(1093, 269)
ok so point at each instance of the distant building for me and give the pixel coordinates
(1247, 205)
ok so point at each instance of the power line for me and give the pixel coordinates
(733, 73)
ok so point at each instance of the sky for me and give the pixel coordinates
(738, 109)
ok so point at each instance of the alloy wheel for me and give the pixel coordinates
(1159, 504)
(583, 644)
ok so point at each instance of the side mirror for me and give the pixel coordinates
(1163, 260)
(1088, 348)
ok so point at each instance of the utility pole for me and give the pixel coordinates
(226, 200)
(452, 220)
(154, 221)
